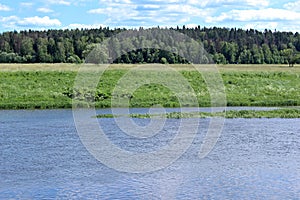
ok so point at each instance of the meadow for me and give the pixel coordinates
(48, 86)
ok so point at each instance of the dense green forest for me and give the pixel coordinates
(226, 46)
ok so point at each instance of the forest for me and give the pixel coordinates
(223, 45)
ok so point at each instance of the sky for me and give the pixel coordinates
(281, 15)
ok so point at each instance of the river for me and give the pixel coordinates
(42, 157)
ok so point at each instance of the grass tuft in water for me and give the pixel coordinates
(277, 113)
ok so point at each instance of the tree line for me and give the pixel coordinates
(224, 45)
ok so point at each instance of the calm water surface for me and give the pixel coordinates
(42, 157)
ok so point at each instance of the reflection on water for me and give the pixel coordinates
(42, 157)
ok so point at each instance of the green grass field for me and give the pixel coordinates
(43, 86)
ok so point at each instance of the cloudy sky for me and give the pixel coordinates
(283, 15)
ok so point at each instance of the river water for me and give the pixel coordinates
(42, 157)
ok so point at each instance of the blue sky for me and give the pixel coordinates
(283, 15)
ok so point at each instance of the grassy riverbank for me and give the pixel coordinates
(40, 86)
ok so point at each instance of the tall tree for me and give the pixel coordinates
(42, 51)
(289, 56)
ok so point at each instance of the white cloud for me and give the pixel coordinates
(4, 7)
(10, 18)
(111, 11)
(59, 2)
(14, 21)
(45, 10)
(82, 3)
(151, 6)
(98, 11)
(269, 14)
(115, 1)
(186, 10)
(191, 25)
(117, 13)
(9, 22)
(290, 26)
(262, 25)
(145, 12)
(39, 21)
(257, 3)
(171, 12)
(222, 3)
(26, 4)
(292, 6)
(84, 26)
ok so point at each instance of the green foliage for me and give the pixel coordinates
(288, 56)
(42, 51)
(74, 59)
(11, 58)
(27, 47)
(220, 58)
(164, 60)
(226, 46)
(295, 59)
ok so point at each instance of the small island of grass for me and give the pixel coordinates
(277, 113)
